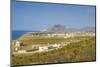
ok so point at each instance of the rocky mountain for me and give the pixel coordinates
(62, 28)
(57, 28)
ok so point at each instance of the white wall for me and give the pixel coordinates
(5, 33)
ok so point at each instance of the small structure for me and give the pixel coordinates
(56, 45)
(35, 46)
(43, 48)
(17, 43)
(16, 49)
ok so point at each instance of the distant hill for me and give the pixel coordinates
(62, 28)
(57, 28)
(88, 29)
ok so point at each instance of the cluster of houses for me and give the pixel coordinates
(59, 34)
(18, 47)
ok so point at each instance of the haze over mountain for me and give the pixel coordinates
(88, 29)
(57, 28)
(62, 28)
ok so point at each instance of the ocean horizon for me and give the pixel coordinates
(17, 34)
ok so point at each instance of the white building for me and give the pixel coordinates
(56, 45)
(17, 43)
(16, 49)
(35, 46)
(43, 48)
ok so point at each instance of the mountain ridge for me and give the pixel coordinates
(62, 28)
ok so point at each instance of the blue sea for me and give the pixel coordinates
(17, 34)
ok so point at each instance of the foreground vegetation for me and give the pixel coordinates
(41, 40)
(85, 50)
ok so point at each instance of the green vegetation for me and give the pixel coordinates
(41, 40)
(85, 50)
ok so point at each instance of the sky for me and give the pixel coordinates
(35, 16)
